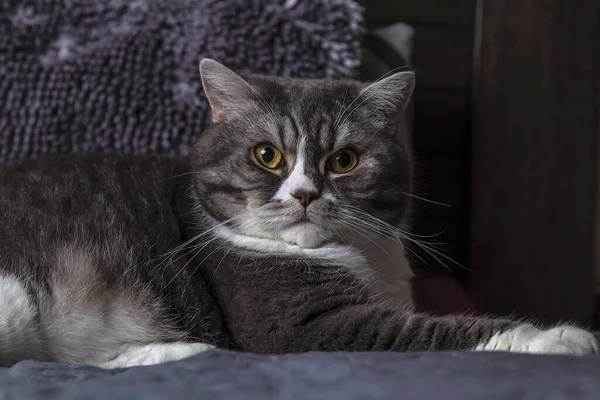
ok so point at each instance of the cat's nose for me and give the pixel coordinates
(306, 197)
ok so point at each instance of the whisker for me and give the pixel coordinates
(377, 224)
(395, 233)
(377, 228)
(220, 262)
(180, 175)
(368, 238)
(439, 253)
(190, 260)
(427, 200)
(394, 228)
(414, 253)
(339, 234)
(427, 249)
(168, 257)
(383, 228)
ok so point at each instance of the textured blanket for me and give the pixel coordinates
(122, 75)
(343, 376)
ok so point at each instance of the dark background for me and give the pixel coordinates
(507, 119)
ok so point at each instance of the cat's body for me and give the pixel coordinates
(89, 241)
(265, 242)
(84, 237)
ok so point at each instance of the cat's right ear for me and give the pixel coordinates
(390, 96)
(225, 89)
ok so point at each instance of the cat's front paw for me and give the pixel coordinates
(564, 340)
(529, 339)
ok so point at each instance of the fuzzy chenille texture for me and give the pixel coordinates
(316, 376)
(80, 76)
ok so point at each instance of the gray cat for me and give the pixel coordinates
(281, 235)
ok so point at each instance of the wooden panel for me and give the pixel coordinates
(441, 120)
(535, 158)
(438, 12)
(443, 57)
(439, 179)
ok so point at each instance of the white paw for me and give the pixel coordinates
(529, 339)
(564, 340)
(155, 353)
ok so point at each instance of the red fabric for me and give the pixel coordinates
(441, 294)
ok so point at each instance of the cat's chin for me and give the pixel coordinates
(306, 235)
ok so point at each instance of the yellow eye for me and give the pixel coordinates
(268, 156)
(343, 161)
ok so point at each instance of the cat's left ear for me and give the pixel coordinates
(390, 96)
(226, 91)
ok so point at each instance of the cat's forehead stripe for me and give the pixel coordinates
(294, 129)
(298, 179)
(315, 127)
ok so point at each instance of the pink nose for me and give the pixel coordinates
(305, 197)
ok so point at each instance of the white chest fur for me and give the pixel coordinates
(381, 263)
(389, 269)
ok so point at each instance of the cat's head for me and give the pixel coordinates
(302, 161)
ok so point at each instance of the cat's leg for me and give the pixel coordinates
(20, 333)
(334, 324)
(423, 332)
(154, 353)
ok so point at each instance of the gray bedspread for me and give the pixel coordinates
(229, 375)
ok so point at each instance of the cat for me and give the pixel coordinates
(279, 235)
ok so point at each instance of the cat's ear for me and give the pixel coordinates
(226, 91)
(390, 96)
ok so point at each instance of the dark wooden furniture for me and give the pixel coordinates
(535, 158)
(507, 121)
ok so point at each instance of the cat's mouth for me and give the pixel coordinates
(304, 230)
(304, 227)
(305, 234)
(302, 220)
